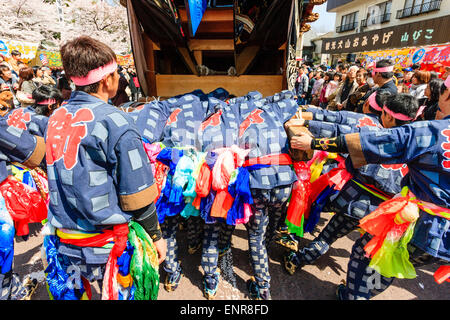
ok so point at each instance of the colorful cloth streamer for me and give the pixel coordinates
(25, 204)
(203, 184)
(35, 178)
(110, 289)
(316, 208)
(125, 282)
(164, 206)
(152, 150)
(299, 203)
(323, 187)
(442, 274)
(317, 162)
(58, 284)
(6, 238)
(132, 269)
(183, 173)
(159, 170)
(227, 161)
(208, 194)
(239, 189)
(189, 192)
(144, 263)
(392, 226)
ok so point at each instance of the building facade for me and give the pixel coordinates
(371, 29)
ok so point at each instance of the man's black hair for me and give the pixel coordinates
(385, 63)
(45, 92)
(403, 103)
(380, 99)
(435, 86)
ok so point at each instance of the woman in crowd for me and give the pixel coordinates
(38, 74)
(327, 86)
(432, 99)
(419, 82)
(26, 87)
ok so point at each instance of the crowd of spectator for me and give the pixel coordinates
(347, 86)
(22, 80)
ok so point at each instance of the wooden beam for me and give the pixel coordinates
(211, 15)
(211, 45)
(245, 58)
(198, 57)
(188, 60)
(150, 60)
(172, 85)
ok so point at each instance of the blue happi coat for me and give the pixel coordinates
(424, 146)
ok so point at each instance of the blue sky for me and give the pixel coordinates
(326, 19)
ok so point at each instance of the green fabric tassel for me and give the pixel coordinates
(297, 230)
(392, 259)
(144, 263)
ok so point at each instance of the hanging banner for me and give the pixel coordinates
(125, 60)
(401, 57)
(195, 10)
(421, 33)
(28, 49)
(47, 58)
(432, 55)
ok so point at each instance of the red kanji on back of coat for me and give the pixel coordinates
(253, 117)
(212, 121)
(366, 121)
(19, 119)
(173, 116)
(64, 135)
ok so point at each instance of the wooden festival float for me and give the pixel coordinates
(235, 44)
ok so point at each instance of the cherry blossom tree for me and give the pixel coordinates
(41, 21)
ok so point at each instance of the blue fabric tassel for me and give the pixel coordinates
(317, 208)
(168, 204)
(240, 191)
(57, 277)
(6, 238)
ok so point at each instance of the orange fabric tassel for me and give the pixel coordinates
(222, 203)
(203, 184)
(381, 221)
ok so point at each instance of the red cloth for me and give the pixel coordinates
(119, 234)
(301, 190)
(271, 159)
(24, 204)
(442, 274)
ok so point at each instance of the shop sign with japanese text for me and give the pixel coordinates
(428, 32)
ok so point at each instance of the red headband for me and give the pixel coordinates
(95, 75)
(373, 103)
(401, 116)
(47, 102)
(384, 69)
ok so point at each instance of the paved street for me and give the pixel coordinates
(317, 282)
